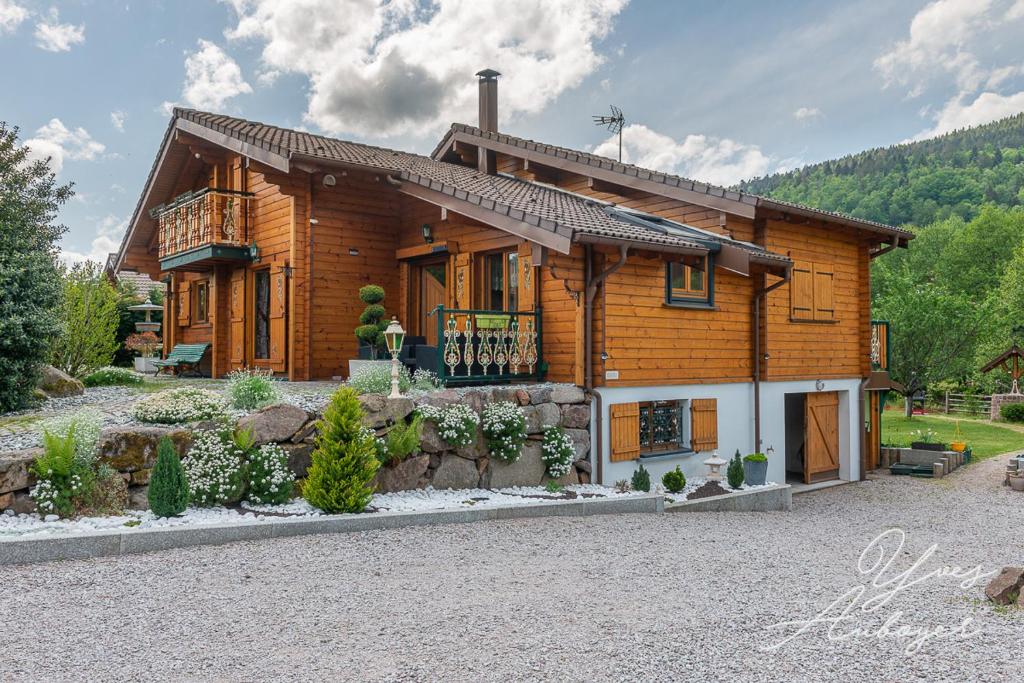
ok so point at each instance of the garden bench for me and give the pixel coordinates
(183, 356)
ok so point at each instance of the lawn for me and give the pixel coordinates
(985, 438)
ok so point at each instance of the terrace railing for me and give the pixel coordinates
(879, 345)
(210, 216)
(476, 346)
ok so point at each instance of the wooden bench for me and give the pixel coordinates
(181, 357)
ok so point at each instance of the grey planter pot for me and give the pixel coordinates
(755, 473)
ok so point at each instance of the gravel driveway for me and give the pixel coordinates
(670, 597)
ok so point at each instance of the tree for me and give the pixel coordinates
(345, 458)
(30, 288)
(90, 318)
(372, 322)
(168, 489)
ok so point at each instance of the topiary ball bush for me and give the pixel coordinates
(674, 481)
(371, 294)
(1012, 412)
(372, 314)
(168, 488)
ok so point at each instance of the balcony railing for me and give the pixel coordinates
(879, 345)
(210, 216)
(488, 346)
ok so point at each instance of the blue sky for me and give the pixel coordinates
(711, 90)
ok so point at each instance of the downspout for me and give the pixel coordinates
(863, 430)
(761, 295)
(310, 280)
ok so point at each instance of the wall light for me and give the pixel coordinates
(288, 271)
(428, 233)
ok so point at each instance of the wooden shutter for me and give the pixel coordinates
(237, 329)
(625, 431)
(462, 290)
(704, 424)
(185, 304)
(824, 308)
(278, 310)
(527, 277)
(801, 291)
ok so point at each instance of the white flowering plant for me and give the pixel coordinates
(214, 468)
(68, 478)
(111, 376)
(376, 379)
(557, 451)
(271, 481)
(426, 380)
(457, 424)
(184, 404)
(85, 425)
(251, 388)
(504, 428)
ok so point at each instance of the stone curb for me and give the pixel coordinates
(130, 541)
(776, 498)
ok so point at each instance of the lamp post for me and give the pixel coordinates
(394, 335)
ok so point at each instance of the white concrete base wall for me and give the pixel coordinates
(735, 426)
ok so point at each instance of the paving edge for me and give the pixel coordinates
(775, 498)
(130, 541)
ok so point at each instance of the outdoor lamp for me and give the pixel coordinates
(714, 464)
(428, 233)
(394, 335)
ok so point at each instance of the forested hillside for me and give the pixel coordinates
(915, 183)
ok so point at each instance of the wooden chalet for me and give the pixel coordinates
(700, 318)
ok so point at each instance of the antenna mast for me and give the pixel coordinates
(614, 123)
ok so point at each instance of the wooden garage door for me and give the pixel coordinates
(822, 443)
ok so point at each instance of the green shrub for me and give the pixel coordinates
(57, 477)
(344, 460)
(372, 320)
(457, 424)
(1012, 412)
(184, 404)
(674, 481)
(376, 379)
(168, 487)
(641, 479)
(504, 427)
(755, 457)
(251, 388)
(271, 481)
(552, 486)
(214, 468)
(107, 496)
(557, 451)
(90, 316)
(85, 425)
(401, 441)
(111, 376)
(426, 380)
(734, 474)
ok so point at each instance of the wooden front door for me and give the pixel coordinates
(874, 429)
(431, 279)
(821, 443)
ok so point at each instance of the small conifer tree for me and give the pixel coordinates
(344, 460)
(735, 472)
(641, 479)
(168, 488)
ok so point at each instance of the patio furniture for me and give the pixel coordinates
(182, 357)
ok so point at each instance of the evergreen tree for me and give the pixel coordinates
(345, 458)
(734, 475)
(641, 479)
(168, 489)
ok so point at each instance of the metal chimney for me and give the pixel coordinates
(488, 116)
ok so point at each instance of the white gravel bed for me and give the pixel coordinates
(622, 597)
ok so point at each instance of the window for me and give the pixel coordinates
(652, 428)
(663, 427)
(261, 284)
(811, 296)
(202, 301)
(501, 281)
(690, 283)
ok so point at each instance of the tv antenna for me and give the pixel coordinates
(614, 123)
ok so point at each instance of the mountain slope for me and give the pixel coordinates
(914, 183)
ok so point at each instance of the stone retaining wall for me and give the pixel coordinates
(131, 450)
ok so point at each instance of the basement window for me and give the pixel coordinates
(663, 427)
(691, 283)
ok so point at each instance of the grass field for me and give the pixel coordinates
(985, 438)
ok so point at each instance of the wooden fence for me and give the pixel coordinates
(966, 404)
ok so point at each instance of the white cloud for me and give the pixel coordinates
(117, 119)
(1016, 11)
(11, 16)
(109, 232)
(212, 78)
(807, 113)
(268, 78)
(58, 142)
(985, 108)
(387, 68)
(53, 36)
(719, 161)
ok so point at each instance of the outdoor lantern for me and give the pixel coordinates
(428, 233)
(714, 464)
(394, 335)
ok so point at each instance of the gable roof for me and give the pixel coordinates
(541, 213)
(667, 184)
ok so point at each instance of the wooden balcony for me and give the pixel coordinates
(879, 345)
(203, 227)
(477, 347)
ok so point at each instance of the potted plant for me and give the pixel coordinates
(958, 444)
(146, 345)
(1016, 480)
(370, 332)
(924, 439)
(755, 469)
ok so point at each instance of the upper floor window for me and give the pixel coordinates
(501, 281)
(690, 283)
(202, 302)
(810, 292)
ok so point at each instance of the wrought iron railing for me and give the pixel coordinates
(477, 346)
(880, 344)
(206, 217)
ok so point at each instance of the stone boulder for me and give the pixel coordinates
(567, 393)
(527, 471)
(580, 442)
(300, 457)
(409, 474)
(382, 411)
(475, 450)
(575, 416)
(430, 439)
(455, 473)
(570, 478)
(57, 384)
(14, 469)
(539, 393)
(138, 498)
(19, 502)
(275, 423)
(540, 417)
(130, 448)
(1006, 587)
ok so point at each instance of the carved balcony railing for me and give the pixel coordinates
(879, 345)
(206, 217)
(477, 346)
